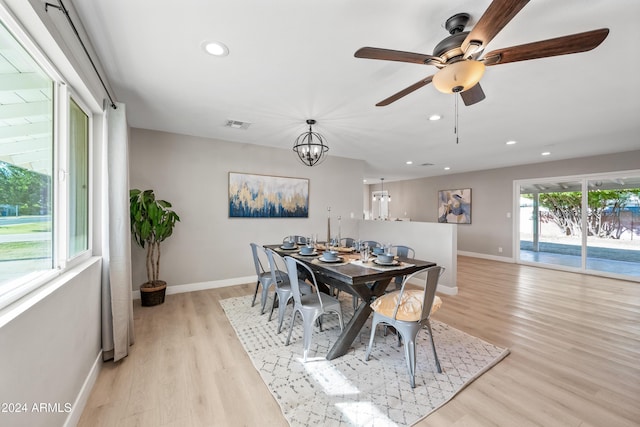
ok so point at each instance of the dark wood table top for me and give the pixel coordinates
(355, 274)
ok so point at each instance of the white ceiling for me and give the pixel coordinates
(292, 60)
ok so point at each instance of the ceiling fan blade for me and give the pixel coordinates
(405, 92)
(497, 15)
(565, 45)
(394, 55)
(473, 95)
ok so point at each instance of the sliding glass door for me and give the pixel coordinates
(586, 223)
(550, 219)
(613, 242)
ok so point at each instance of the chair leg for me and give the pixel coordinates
(273, 306)
(410, 356)
(265, 297)
(255, 294)
(293, 318)
(308, 330)
(340, 320)
(433, 347)
(373, 334)
(282, 307)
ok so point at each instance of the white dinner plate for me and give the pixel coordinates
(339, 259)
(314, 253)
(394, 262)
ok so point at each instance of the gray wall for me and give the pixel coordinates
(192, 174)
(47, 352)
(492, 197)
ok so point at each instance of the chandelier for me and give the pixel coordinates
(311, 147)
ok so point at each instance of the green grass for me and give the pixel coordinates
(12, 251)
(31, 227)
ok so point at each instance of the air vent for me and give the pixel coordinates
(427, 164)
(236, 124)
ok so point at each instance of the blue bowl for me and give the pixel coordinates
(330, 255)
(385, 258)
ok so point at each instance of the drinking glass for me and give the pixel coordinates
(364, 253)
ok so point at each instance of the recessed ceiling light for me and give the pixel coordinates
(512, 142)
(447, 168)
(435, 117)
(546, 153)
(409, 162)
(364, 181)
(215, 48)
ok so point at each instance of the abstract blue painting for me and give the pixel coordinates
(454, 206)
(263, 196)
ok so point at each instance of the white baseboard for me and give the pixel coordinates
(487, 256)
(85, 392)
(443, 289)
(447, 290)
(191, 287)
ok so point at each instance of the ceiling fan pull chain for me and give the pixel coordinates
(455, 126)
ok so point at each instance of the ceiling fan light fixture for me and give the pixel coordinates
(459, 76)
(311, 147)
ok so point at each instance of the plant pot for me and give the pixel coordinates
(152, 293)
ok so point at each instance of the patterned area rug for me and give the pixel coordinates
(348, 391)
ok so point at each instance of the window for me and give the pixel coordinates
(26, 164)
(44, 170)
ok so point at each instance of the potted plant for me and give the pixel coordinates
(152, 222)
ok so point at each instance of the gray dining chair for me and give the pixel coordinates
(265, 278)
(312, 306)
(283, 287)
(408, 311)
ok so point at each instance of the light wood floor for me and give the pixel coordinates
(574, 341)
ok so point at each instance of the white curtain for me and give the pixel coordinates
(117, 305)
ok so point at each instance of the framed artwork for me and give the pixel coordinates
(454, 206)
(264, 196)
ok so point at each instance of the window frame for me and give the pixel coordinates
(73, 260)
(60, 210)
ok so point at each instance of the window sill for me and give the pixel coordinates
(24, 303)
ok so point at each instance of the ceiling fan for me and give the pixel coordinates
(459, 56)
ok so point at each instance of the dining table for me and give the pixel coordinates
(365, 280)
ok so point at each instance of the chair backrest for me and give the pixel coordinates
(300, 240)
(371, 243)
(276, 274)
(347, 242)
(403, 251)
(292, 268)
(255, 248)
(431, 284)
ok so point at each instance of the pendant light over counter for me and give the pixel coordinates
(381, 194)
